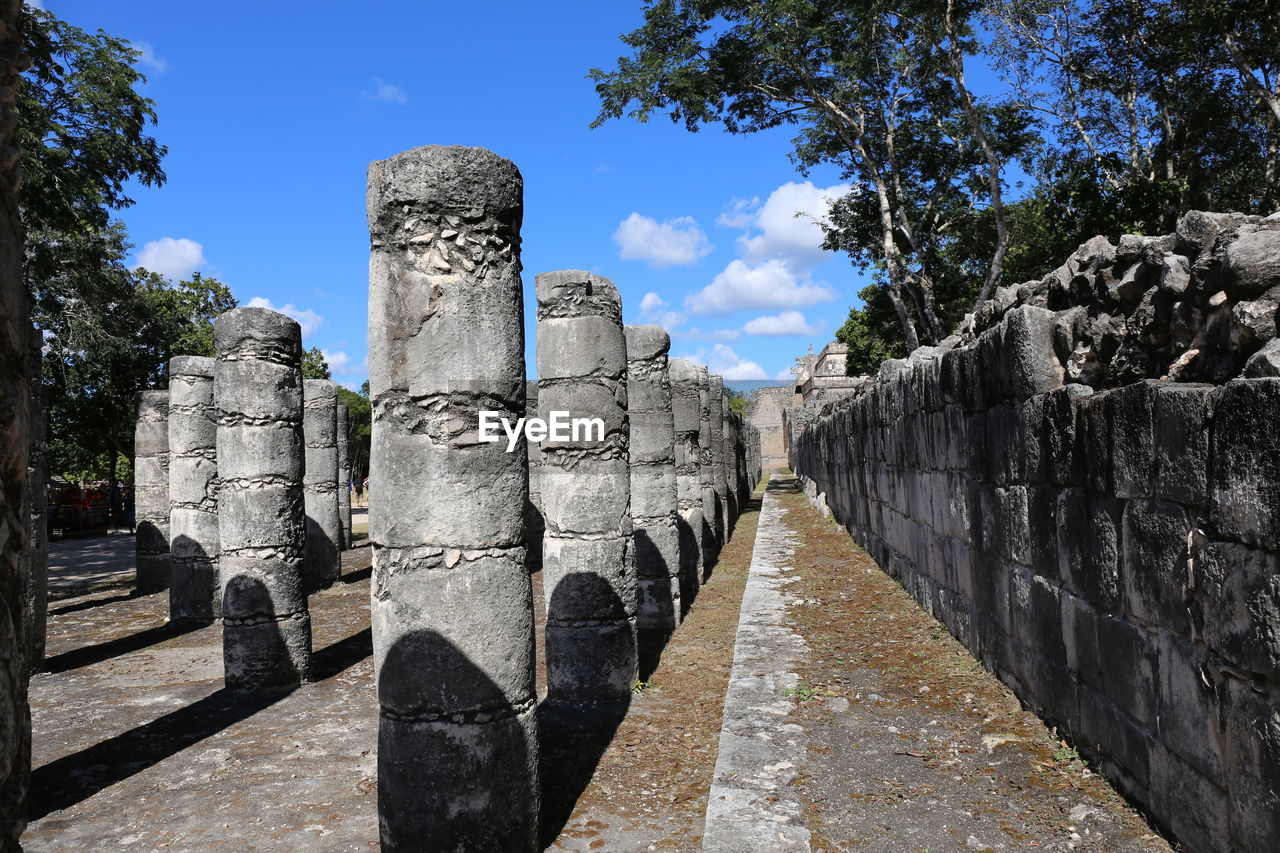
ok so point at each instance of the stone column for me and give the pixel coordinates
(710, 498)
(257, 389)
(452, 600)
(36, 565)
(534, 526)
(195, 595)
(715, 409)
(729, 425)
(15, 445)
(655, 535)
(344, 480)
(588, 567)
(686, 411)
(320, 483)
(151, 490)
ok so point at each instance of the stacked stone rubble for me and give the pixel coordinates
(35, 599)
(257, 390)
(686, 411)
(1111, 549)
(711, 517)
(195, 593)
(588, 564)
(15, 438)
(323, 558)
(654, 494)
(451, 595)
(151, 490)
(715, 425)
(344, 478)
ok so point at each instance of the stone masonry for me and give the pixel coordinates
(655, 535)
(534, 526)
(257, 390)
(15, 438)
(686, 414)
(322, 561)
(344, 477)
(588, 564)
(715, 415)
(1084, 486)
(151, 490)
(451, 594)
(711, 517)
(195, 595)
(35, 598)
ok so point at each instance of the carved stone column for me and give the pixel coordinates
(151, 490)
(195, 595)
(320, 484)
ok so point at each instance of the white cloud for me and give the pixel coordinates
(341, 363)
(787, 225)
(384, 91)
(653, 310)
(696, 334)
(785, 375)
(676, 242)
(35, 4)
(172, 258)
(770, 284)
(727, 363)
(307, 319)
(786, 323)
(149, 57)
(740, 213)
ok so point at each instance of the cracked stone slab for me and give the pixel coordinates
(751, 807)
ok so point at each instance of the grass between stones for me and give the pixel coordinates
(913, 745)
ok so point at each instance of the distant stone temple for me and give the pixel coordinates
(765, 414)
(822, 375)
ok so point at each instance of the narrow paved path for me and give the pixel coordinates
(855, 722)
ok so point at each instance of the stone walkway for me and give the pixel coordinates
(855, 722)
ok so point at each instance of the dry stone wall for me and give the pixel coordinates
(1084, 486)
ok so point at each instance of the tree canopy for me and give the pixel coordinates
(1123, 113)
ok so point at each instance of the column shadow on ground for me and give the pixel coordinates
(88, 655)
(93, 602)
(74, 778)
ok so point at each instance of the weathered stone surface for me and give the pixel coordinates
(715, 413)
(655, 537)
(257, 390)
(35, 567)
(321, 563)
(151, 489)
(15, 446)
(344, 476)
(451, 599)
(588, 560)
(1246, 462)
(535, 527)
(686, 409)
(1252, 263)
(195, 595)
(711, 517)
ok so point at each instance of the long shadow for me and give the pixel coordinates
(87, 655)
(93, 602)
(76, 777)
(358, 575)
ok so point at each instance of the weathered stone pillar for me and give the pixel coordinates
(195, 595)
(35, 597)
(588, 567)
(686, 411)
(257, 389)
(151, 490)
(655, 535)
(534, 525)
(320, 483)
(452, 599)
(715, 409)
(729, 424)
(710, 498)
(15, 445)
(344, 480)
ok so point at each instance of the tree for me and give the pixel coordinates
(82, 130)
(737, 400)
(359, 428)
(876, 88)
(315, 365)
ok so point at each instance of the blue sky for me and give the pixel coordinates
(272, 111)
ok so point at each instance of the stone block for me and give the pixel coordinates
(1245, 503)
(1089, 541)
(1130, 415)
(1252, 765)
(1181, 425)
(1190, 721)
(1236, 607)
(1157, 566)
